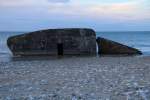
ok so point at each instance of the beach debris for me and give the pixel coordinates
(69, 41)
(106, 46)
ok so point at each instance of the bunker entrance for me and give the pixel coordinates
(60, 50)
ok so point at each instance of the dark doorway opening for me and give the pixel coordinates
(60, 50)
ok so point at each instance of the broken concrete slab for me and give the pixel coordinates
(109, 47)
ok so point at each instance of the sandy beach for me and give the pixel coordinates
(76, 78)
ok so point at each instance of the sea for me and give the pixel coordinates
(136, 39)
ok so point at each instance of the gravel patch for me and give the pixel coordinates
(76, 78)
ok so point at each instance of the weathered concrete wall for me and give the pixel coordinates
(106, 46)
(75, 41)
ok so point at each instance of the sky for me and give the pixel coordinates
(100, 15)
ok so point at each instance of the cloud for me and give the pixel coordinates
(56, 1)
(15, 3)
(115, 11)
(92, 13)
(18, 3)
(95, 9)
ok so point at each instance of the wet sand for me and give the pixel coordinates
(76, 78)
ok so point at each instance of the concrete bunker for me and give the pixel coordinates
(70, 41)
